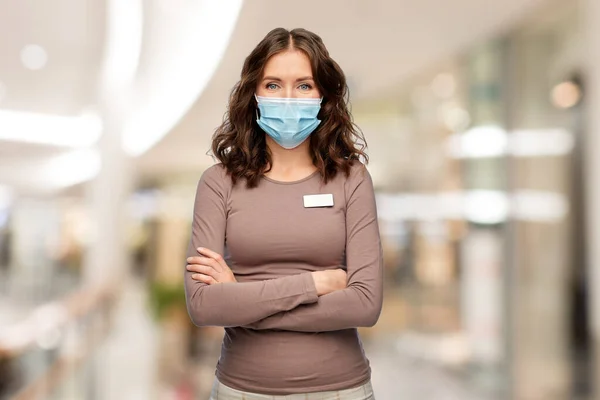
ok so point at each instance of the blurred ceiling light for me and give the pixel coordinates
(444, 85)
(183, 74)
(486, 206)
(420, 206)
(123, 42)
(479, 206)
(540, 142)
(479, 142)
(56, 130)
(34, 57)
(565, 95)
(486, 141)
(539, 206)
(71, 168)
(196, 45)
(3, 91)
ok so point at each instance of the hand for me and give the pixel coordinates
(330, 280)
(210, 268)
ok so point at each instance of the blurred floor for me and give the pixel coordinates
(128, 358)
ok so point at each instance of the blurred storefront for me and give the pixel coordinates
(484, 222)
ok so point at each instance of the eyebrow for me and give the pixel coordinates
(274, 78)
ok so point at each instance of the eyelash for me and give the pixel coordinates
(304, 84)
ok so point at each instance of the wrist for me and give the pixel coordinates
(320, 282)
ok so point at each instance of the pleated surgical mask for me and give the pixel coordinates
(289, 121)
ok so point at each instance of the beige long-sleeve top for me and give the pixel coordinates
(280, 337)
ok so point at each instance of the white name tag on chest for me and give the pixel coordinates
(318, 200)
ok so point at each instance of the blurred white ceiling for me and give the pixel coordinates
(72, 34)
(378, 43)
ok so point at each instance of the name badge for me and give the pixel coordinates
(318, 200)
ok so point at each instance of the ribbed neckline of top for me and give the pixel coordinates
(291, 182)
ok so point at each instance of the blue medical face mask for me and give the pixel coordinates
(288, 121)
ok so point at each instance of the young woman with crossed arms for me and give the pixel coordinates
(285, 251)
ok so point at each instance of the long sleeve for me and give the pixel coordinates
(358, 305)
(233, 304)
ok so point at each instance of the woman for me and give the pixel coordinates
(285, 250)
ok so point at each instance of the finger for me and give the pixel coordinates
(199, 260)
(204, 278)
(202, 269)
(206, 261)
(214, 255)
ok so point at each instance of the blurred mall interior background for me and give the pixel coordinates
(482, 123)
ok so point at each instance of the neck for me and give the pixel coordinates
(285, 160)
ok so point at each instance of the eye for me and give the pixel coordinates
(272, 86)
(305, 86)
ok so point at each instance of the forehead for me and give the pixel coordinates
(288, 64)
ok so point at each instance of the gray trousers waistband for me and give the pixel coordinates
(223, 392)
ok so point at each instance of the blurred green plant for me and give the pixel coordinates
(165, 298)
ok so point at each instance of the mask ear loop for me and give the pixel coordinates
(256, 110)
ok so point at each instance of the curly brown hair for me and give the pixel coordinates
(240, 144)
